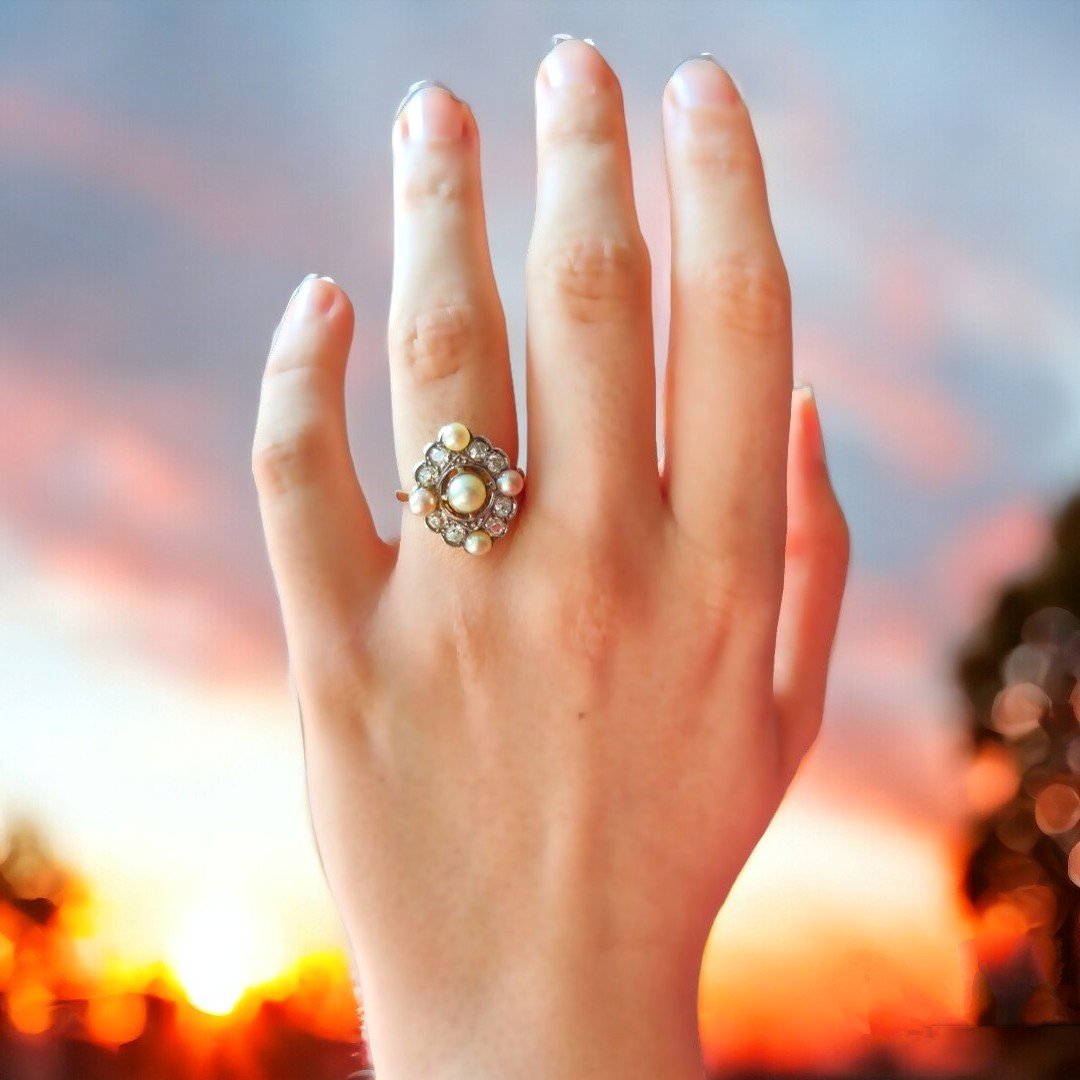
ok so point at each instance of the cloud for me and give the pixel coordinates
(153, 545)
(987, 549)
(154, 170)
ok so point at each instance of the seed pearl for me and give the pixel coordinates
(455, 436)
(510, 482)
(423, 501)
(466, 493)
(478, 543)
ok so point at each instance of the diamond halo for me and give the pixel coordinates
(465, 489)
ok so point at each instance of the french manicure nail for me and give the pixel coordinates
(303, 281)
(291, 305)
(700, 80)
(288, 307)
(564, 66)
(811, 420)
(697, 56)
(311, 300)
(306, 300)
(415, 89)
(432, 111)
(558, 39)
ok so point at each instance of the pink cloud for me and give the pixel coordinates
(984, 552)
(142, 165)
(923, 432)
(115, 513)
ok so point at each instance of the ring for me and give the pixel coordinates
(466, 490)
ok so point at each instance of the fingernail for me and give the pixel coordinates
(572, 60)
(700, 80)
(307, 299)
(432, 111)
(313, 298)
(811, 421)
(303, 281)
(415, 89)
(288, 308)
(558, 39)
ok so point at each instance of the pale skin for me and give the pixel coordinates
(535, 774)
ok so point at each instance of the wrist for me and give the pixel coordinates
(576, 1016)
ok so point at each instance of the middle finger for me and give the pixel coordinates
(591, 382)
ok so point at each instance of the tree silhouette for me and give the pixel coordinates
(1019, 672)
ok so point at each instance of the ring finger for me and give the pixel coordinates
(447, 340)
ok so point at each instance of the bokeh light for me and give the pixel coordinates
(1057, 808)
(1019, 709)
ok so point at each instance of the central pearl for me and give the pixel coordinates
(466, 493)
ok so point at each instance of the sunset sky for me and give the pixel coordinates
(169, 172)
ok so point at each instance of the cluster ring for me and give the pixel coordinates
(466, 490)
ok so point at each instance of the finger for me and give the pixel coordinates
(323, 547)
(815, 571)
(729, 364)
(591, 381)
(448, 352)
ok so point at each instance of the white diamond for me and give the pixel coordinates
(454, 533)
(435, 521)
(496, 526)
(439, 455)
(478, 449)
(497, 462)
(504, 506)
(426, 475)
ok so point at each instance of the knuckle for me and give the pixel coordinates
(720, 146)
(434, 182)
(718, 594)
(587, 120)
(300, 373)
(750, 297)
(726, 589)
(433, 343)
(586, 621)
(724, 607)
(594, 277)
(724, 594)
(724, 151)
(584, 616)
(287, 460)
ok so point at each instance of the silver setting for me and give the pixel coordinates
(480, 457)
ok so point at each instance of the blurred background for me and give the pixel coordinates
(170, 171)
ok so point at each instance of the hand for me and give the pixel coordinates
(535, 775)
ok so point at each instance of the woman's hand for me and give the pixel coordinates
(535, 775)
